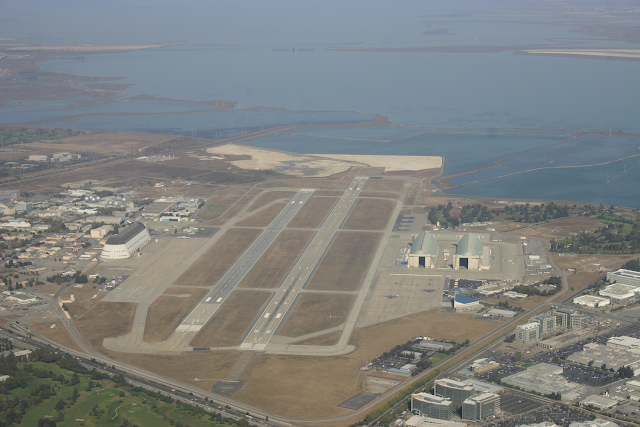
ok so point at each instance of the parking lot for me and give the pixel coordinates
(516, 403)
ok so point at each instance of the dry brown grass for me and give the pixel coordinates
(310, 387)
(6, 319)
(233, 210)
(525, 303)
(212, 265)
(592, 263)
(232, 319)
(58, 335)
(313, 212)
(330, 193)
(385, 184)
(271, 268)
(331, 338)
(379, 195)
(370, 214)
(411, 195)
(106, 320)
(213, 366)
(310, 183)
(317, 312)
(559, 229)
(166, 312)
(48, 289)
(262, 218)
(269, 197)
(84, 299)
(345, 264)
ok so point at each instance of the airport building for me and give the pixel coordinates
(423, 251)
(126, 242)
(431, 406)
(480, 406)
(462, 303)
(468, 253)
(457, 391)
(625, 277)
(591, 301)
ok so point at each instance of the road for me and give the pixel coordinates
(204, 311)
(270, 319)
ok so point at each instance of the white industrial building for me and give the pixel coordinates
(126, 242)
(619, 291)
(625, 277)
(625, 343)
(591, 301)
(600, 402)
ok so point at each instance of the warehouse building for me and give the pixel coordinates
(431, 406)
(457, 391)
(423, 251)
(619, 291)
(468, 253)
(419, 421)
(480, 406)
(462, 303)
(591, 301)
(625, 343)
(545, 378)
(126, 242)
(625, 277)
(600, 354)
(600, 402)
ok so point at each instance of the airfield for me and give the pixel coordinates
(297, 282)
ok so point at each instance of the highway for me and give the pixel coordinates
(276, 310)
(201, 314)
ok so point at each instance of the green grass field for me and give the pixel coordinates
(106, 403)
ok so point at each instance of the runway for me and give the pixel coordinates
(201, 314)
(276, 310)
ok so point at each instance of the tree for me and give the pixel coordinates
(60, 405)
(518, 356)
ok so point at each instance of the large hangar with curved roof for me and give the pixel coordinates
(468, 252)
(423, 251)
(126, 242)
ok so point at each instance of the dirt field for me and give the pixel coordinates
(232, 319)
(411, 195)
(317, 312)
(166, 312)
(58, 334)
(331, 338)
(559, 229)
(233, 210)
(309, 387)
(344, 266)
(385, 184)
(379, 194)
(369, 215)
(213, 366)
(84, 299)
(212, 265)
(105, 320)
(313, 212)
(526, 303)
(269, 197)
(592, 263)
(270, 270)
(6, 319)
(262, 218)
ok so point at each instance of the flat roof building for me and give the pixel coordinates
(126, 242)
(468, 253)
(420, 421)
(424, 251)
(483, 365)
(480, 406)
(612, 356)
(452, 389)
(625, 277)
(619, 291)
(592, 301)
(463, 303)
(600, 402)
(545, 378)
(598, 422)
(625, 343)
(432, 406)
